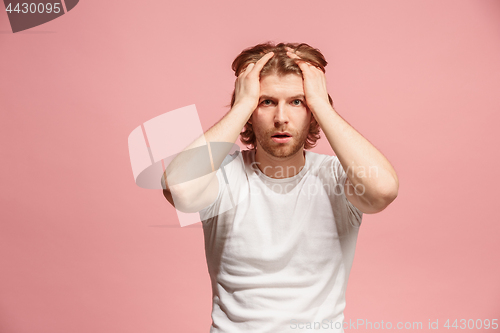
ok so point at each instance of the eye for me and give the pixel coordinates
(299, 102)
(265, 102)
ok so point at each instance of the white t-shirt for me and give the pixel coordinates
(279, 251)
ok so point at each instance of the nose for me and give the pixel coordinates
(280, 115)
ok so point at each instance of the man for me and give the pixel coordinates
(281, 222)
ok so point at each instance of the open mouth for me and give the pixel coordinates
(281, 137)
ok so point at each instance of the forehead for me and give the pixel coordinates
(286, 85)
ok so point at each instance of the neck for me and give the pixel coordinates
(280, 167)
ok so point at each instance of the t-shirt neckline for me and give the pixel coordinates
(299, 175)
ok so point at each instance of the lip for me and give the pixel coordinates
(282, 133)
(281, 140)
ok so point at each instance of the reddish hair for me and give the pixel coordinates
(280, 64)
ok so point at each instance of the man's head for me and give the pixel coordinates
(282, 106)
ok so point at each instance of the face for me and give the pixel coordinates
(281, 110)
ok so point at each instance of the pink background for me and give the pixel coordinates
(83, 249)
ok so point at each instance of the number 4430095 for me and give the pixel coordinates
(471, 324)
(34, 8)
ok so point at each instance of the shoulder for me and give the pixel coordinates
(235, 163)
(237, 156)
(318, 161)
(327, 167)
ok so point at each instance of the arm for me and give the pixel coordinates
(372, 182)
(194, 195)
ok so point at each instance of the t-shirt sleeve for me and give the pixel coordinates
(340, 177)
(225, 174)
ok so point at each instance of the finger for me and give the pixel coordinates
(298, 60)
(301, 63)
(247, 69)
(292, 55)
(317, 67)
(292, 51)
(262, 61)
(312, 66)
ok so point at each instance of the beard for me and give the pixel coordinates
(281, 150)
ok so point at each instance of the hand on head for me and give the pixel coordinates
(247, 85)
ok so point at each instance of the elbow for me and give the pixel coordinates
(179, 199)
(391, 190)
(388, 198)
(385, 195)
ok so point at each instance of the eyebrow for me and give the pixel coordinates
(300, 96)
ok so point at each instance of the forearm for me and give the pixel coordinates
(227, 130)
(367, 168)
(198, 159)
(191, 175)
